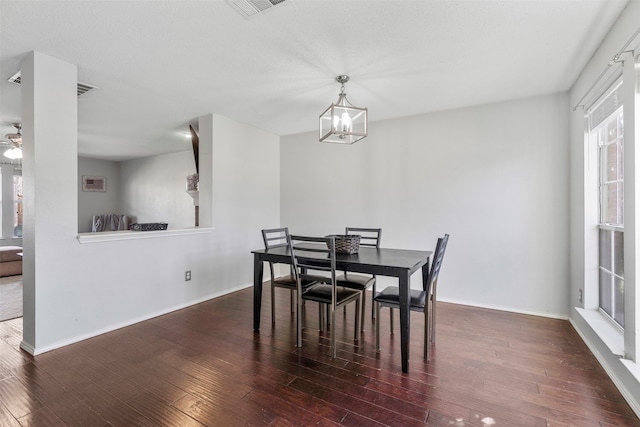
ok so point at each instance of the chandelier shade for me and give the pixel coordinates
(342, 122)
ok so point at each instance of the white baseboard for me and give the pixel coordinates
(28, 348)
(40, 350)
(508, 309)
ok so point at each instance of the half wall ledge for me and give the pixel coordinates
(112, 236)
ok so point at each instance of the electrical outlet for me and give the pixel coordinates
(187, 275)
(580, 295)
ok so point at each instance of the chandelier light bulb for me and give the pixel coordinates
(346, 122)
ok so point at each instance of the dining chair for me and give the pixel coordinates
(420, 300)
(369, 237)
(314, 261)
(276, 237)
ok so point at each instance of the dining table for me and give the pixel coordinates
(398, 263)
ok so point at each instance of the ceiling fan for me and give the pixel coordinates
(14, 142)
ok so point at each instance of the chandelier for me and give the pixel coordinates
(343, 123)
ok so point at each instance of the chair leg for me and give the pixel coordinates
(363, 297)
(291, 298)
(320, 318)
(273, 305)
(433, 316)
(377, 326)
(391, 320)
(373, 296)
(334, 351)
(329, 320)
(427, 328)
(359, 315)
(299, 321)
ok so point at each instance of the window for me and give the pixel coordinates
(606, 126)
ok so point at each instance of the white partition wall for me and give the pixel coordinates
(77, 290)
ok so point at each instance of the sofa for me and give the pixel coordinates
(10, 260)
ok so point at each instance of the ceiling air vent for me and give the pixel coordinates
(250, 8)
(82, 87)
(15, 78)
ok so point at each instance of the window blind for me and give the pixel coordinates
(606, 105)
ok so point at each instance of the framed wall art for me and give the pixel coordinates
(94, 183)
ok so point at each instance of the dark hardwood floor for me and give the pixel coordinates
(205, 366)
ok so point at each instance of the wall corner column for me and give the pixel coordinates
(50, 139)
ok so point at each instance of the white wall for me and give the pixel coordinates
(583, 214)
(494, 177)
(153, 189)
(74, 291)
(92, 203)
(246, 196)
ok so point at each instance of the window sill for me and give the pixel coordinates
(611, 336)
(633, 367)
(111, 236)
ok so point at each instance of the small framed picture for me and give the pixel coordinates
(94, 183)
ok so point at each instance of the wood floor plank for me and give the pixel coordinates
(41, 418)
(204, 365)
(241, 413)
(17, 398)
(355, 420)
(160, 413)
(112, 407)
(7, 419)
(357, 405)
(287, 410)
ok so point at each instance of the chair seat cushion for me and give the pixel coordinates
(355, 281)
(322, 293)
(391, 295)
(289, 282)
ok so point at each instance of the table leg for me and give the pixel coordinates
(404, 283)
(258, 269)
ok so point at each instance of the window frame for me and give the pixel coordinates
(606, 111)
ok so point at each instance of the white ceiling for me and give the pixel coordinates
(160, 64)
